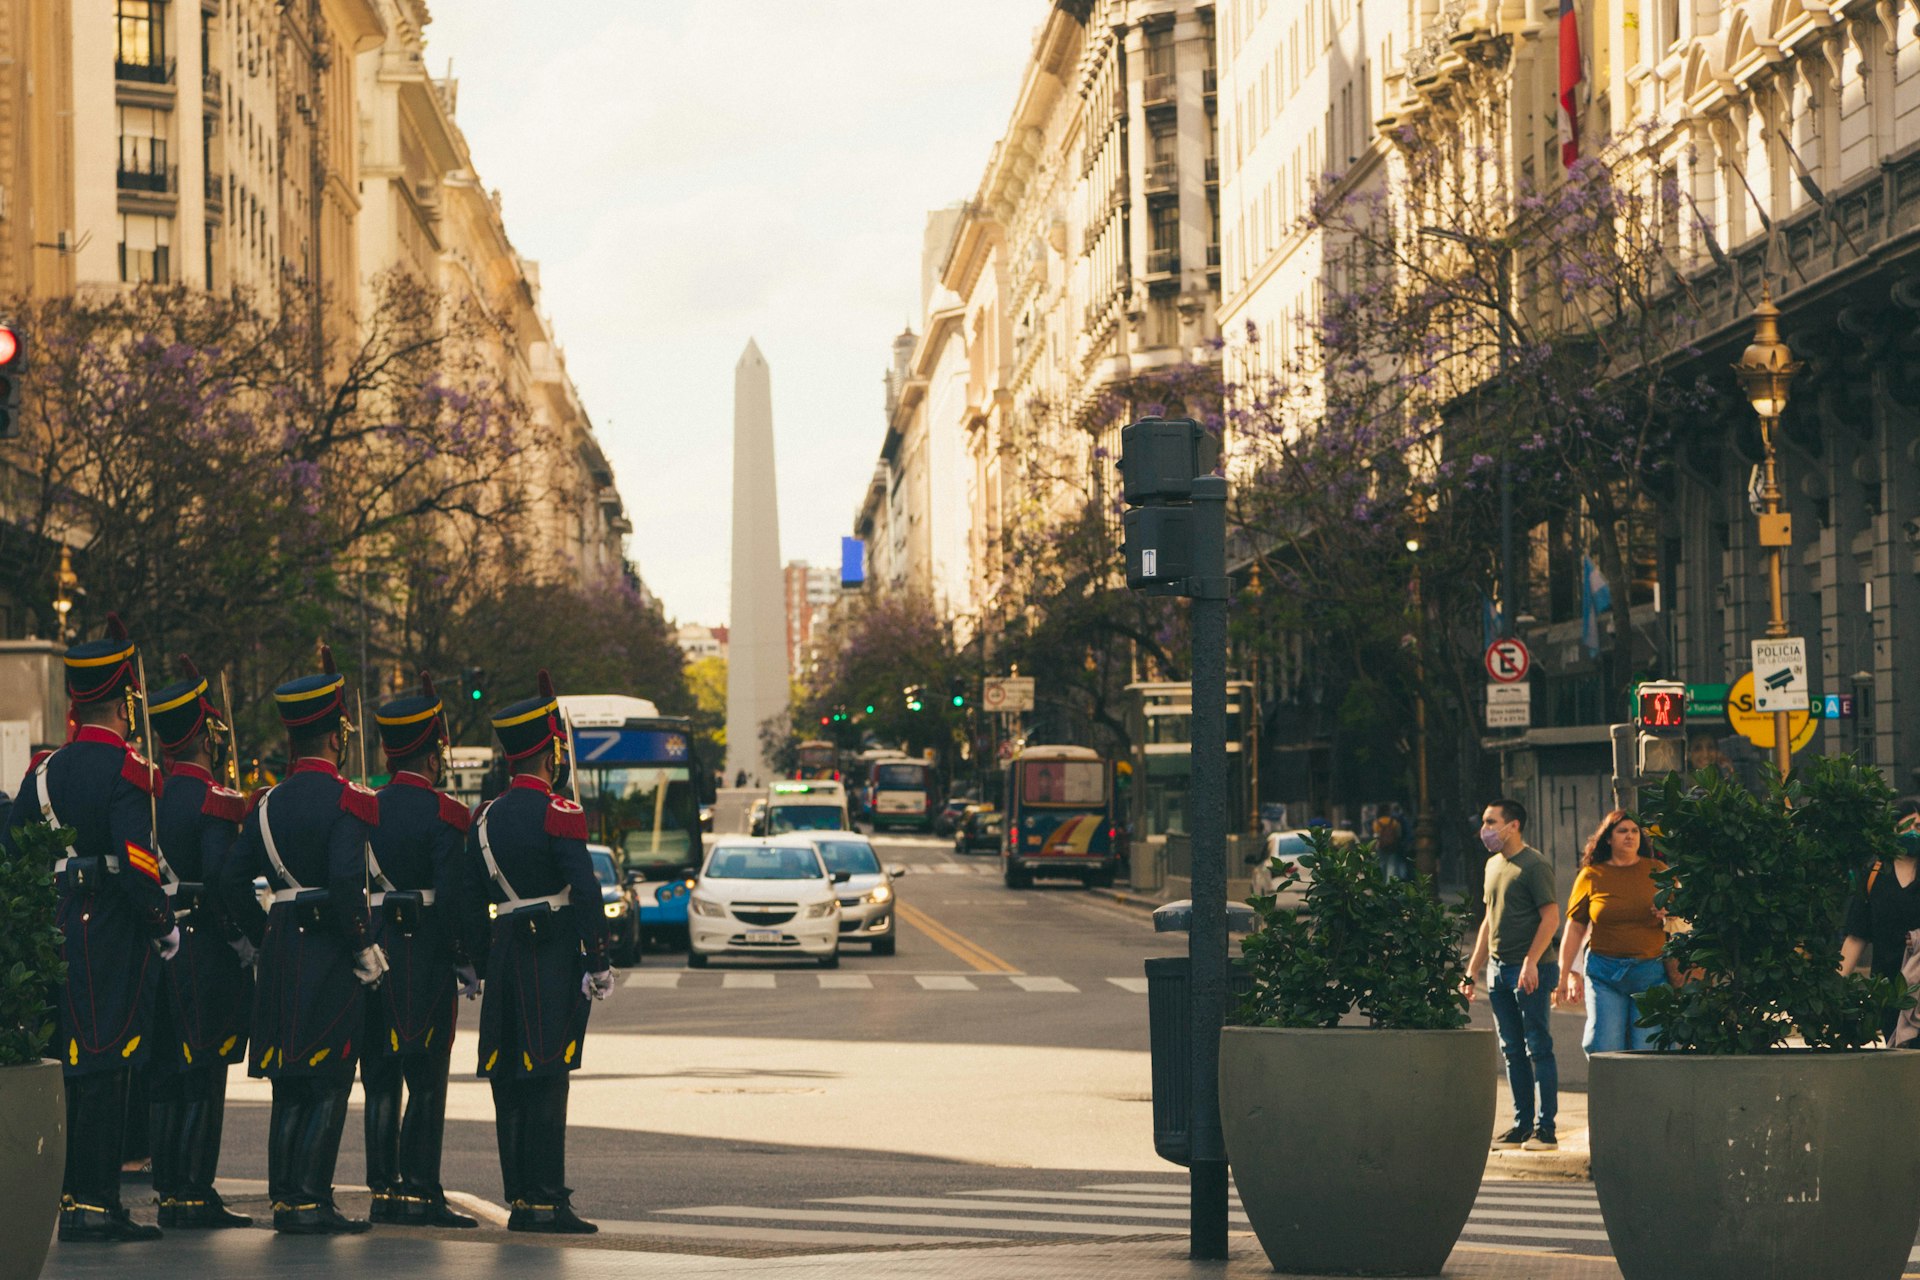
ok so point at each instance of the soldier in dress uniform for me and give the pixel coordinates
(308, 836)
(418, 851)
(114, 918)
(208, 987)
(547, 959)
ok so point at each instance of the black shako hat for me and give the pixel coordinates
(101, 669)
(528, 726)
(182, 709)
(308, 701)
(413, 722)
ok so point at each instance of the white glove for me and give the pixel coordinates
(470, 984)
(170, 945)
(370, 966)
(597, 986)
(248, 953)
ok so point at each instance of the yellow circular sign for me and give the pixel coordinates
(1757, 726)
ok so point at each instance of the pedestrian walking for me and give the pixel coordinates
(418, 849)
(115, 924)
(1883, 911)
(547, 960)
(1515, 949)
(208, 985)
(1611, 914)
(308, 835)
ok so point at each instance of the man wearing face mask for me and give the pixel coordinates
(1886, 907)
(1514, 949)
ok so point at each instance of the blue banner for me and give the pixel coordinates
(630, 746)
(853, 562)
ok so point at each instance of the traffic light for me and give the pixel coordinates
(957, 690)
(1661, 708)
(13, 367)
(869, 708)
(914, 694)
(475, 679)
(1159, 461)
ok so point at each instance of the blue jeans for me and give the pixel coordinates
(1527, 1042)
(1610, 1009)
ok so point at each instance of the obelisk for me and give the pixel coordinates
(757, 689)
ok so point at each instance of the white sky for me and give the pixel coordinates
(692, 174)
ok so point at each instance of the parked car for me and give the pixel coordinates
(867, 895)
(766, 897)
(948, 819)
(980, 831)
(623, 913)
(1290, 845)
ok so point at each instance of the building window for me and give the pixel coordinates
(211, 231)
(143, 148)
(141, 29)
(146, 248)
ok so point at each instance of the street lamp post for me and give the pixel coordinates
(66, 586)
(1424, 860)
(1766, 372)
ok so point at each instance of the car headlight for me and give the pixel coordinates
(819, 909)
(706, 906)
(881, 893)
(615, 910)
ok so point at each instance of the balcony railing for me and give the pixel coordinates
(1213, 255)
(210, 86)
(153, 178)
(1157, 90)
(157, 71)
(1162, 262)
(216, 191)
(1162, 176)
(1210, 81)
(1213, 168)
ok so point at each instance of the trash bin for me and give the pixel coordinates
(1170, 1027)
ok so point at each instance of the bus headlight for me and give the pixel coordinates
(705, 906)
(819, 909)
(881, 893)
(615, 910)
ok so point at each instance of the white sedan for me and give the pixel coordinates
(866, 887)
(764, 897)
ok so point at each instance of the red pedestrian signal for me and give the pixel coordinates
(13, 364)
(1663, 707)
(9, 346)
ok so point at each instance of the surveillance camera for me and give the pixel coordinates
(1912, 529)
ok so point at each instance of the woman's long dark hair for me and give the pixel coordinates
(1600, 844)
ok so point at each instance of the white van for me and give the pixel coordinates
(811, 805)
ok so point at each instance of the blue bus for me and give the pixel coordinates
(641, 782)
(1062, 817)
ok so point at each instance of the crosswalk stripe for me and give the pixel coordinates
(656, 978)
(1118, 1197)
(919, 869)
(1045, 984)
(1037, 1226)
(935, 982)
(1017, 1206)
(845, 982)
(1138, 986)
(1521, 1215)
(771, 1235)
(757, 981)
(952, 869)
(1535, 1233)
(1164, 1188)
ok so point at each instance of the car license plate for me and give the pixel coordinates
(763, 935)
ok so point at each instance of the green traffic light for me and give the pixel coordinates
(959, 701)
(476, 695)
(869, 708)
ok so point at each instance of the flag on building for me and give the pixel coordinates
(1571, 76)
(1596, 598)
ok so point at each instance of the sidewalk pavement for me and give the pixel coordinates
(488, 1252)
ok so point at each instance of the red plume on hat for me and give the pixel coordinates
(188, 670)
(544, 683)
(426, 687)
(117, 629)
(326, 660)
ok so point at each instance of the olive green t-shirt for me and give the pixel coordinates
(1517, 888)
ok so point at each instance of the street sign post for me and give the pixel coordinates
(1508, 661)
(1780, 675)
(1007, 693)
(1510, 706)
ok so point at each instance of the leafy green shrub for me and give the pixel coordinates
(1361, 941)
(1763, 881)
(30, 964)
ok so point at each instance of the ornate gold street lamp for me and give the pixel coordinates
(1425, 851)
(1766, 372)
(66, 586)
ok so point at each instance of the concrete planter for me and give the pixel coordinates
(1357, 1152)
(33, 1154)
(1796, 1163)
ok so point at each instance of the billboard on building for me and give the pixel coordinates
(853, 563)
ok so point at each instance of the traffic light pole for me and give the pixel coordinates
(1207, 814)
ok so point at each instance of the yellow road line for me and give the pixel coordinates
(970, 952)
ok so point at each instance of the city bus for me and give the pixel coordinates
(816, 758)
(640, 780)
(1062, 817)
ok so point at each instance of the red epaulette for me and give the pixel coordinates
(362, 802)
(566, 820)
(255, 796)
(38, 756)
(454, 814)
(140, 771)
(228, 806)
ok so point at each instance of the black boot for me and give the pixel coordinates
(90, 1208)
(424, 1202)
(197, 1203)
(165, 1117)
(546, 1207)
(509, 1123)
(380, 1078)
(311, 1211)
(283, 1134)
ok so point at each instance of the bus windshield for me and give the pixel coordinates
(1074, 784)
(782, 818)
(900, 777)
(637, 782)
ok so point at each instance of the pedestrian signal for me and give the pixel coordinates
(13, 366)
(1662, 707)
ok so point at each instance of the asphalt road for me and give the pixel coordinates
(1008, 1027)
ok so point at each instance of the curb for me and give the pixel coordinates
(1128, 898)
(1541, 1166)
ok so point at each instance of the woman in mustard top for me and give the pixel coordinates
(1612, 913)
